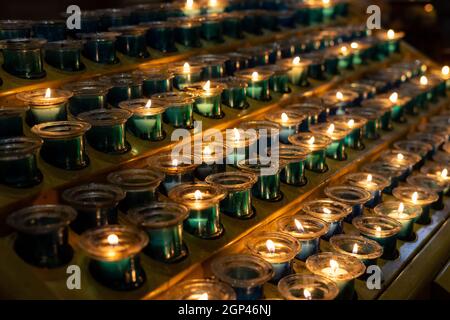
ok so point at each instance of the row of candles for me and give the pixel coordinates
(197, 207)
(100, 46)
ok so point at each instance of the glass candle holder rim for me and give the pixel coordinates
(256, 50)
(333, 193)
(222, 264)
(223, 149)
(375, 252)
(197, 88)
(121, 80)
(390, 209)
(247, 74)
(319, 261)
(175, 98)
(237, 55)
(313, 227)
(302, 139)
(186, 22)
(408, 144)
(208, 59)
(368, 88)
(22, 43)
(432, 81)
(247, 180)
(49, 22)
(150, 216)
(87, 88)
(329, 97)
(340, 130)
(233, 82)
(387, 168)
(177, 68)
(129, 30)
(433, 139)
(114, 12)
(64, 45)
(259, 241)
(60, 129)
(366, 112)
(138, 107)
(358, 121)
(105, 117)
(9, 111)
(214, 289)
(338, 210)
(381, 103)
(136, 179)
(330, 289)
(435, 169)
(259, 125)
(157, 24)
(14, 148)
(81, 197)
(307, 108)
(99, 36)
(37, 98)
(382, 35)
(357, 179)
(12, 24)
(154, 73)
(294, 118)
(385, 227)
(215, 193)
(427, 181)
(254, 165)
(246, 138)
(277, 69)
(291, 153)
(184, 163)
(94, 242)
(288, 63)
(56, 216)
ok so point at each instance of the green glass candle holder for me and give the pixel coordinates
(316, 69)
(390, 41)
(204, 211)
(213, 157)
(208, 99)
(139, 186)
(96, 204)
(337, 133)
(339, 100)
(258, 83)
(51, 30)
(64, 55)
(374, 183)
(294, 158)
(213, 65)
(317, 144)
(234, 94)
(124, 86)
(250, 22)
(268, 185)
(161, 35)
(439, 171)
(356, 197)
(113, 17)
(311, 111)
(403, 213)
(113, 253)
(432, 183)
(45, 105)
(261, 55)
(307, 287)
(232, 25)
(371, 129)
(237, 61)
(267, 134)
(87, 95)
(392, 170)
(417, 196)
(364, 90)
(179, 108)
(355, 124)
(298, 70)
(212, 28)
(188, 31)
(131, 41)
(64, 143)
(434, 139)
(89, 21)
(186, 73)
(15, 29)
(289, 121)
(423, 149)
(383, 106)
(107, 134)
(163, 223)
(146, 121)
(100, 47)
(238, 201)
(43, 234)
(202, 289)
(18, 164)
(22, 57)
(155, 80)
(11, 121)
(279, 81)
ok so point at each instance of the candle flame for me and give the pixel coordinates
(270, 246)
(207, 151)
(355, 248)
(445, 70)
(189, 3)
(198, 195)
(330, 129)
(369, 178)
(207, 86)
(423, 68)
(334, 265)
(174, 162)
(393, 97)
(148, 104)
(307, 294)
(444, 173)
(237, 135)
(414, 197)
(203, 296)
(378, 229)
(344, 49)
(212, 3)
(354, 45)
(351, 123)
(255, 76)
(401, 208)
(339, 96)
(284, 117)
(423, 80)
(325, 1)
(113, 239)
(311, 140)
(186, 68)
(391, 34)
(326, 210)
(400, 156)
(48, 93)
(296, 61)
(299, 225)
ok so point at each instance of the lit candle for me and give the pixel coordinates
(234, 93)
(290, 123)
(355, 197)
(207, 97)
(186, 73)
(242, 142)
(431, 183)
(317, 144)
(374, 183)
(307, 287)
(294, 158)
(337, 132)
(391, 41)
(179, 108)
(298, 73)
(354, 124)
(258, 83)
(339, 100)
(201, 289)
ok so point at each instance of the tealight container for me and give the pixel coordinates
(408, 160)
(156, 79)
(202, 289)
(344, 55)
(268, 171)
(434, 139)
(251, 22)
(42, 234)
(355, 124)
(124, 86)
(261, 55)
(64, 143)
(269, 20)
(208, 98)
(312, 111)
(383, 106)
(355, 197)
(11, 121)
(381, 229)
(212, 28)
(64, 55)
(114, 256)
(232, 25)
(258, 83)
(286, 18)
(18, 164)
(202, 201)
(185, 74)
(374, 183)
(245, 273)
(234, 94)
(364, 90)
(307, 287)
(393, 171)
(146, 120)
(307, 230)
(213, 157)
(337, 132)
(390, 41)
(146, 12)
(439, 171)
(432, 183)
(330, 211)
(51, 30)
(179, 108)
(100, 47)
(22, 57)
(298, 70)
(420, 148)
(404, 213)
(177, 169)
(237, 61)
(14, 29)
(338, 100)
(294, 158)
(277, 248)
(238, 201)
(87, 95)
(131, 41)
(290, 123)
(89, 21)
(113, 17)
(371, 130)
(163, 223)
(45, 105)
(317, 144)
(316, 69)
(279, 81)
(243, 143)
(340, 268)
(107, 133)
(188, 31)
(161, 35)
(139, 186)
(96, 204)
(366, 250)
(267, 133)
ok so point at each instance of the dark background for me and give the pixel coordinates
(426, 23)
